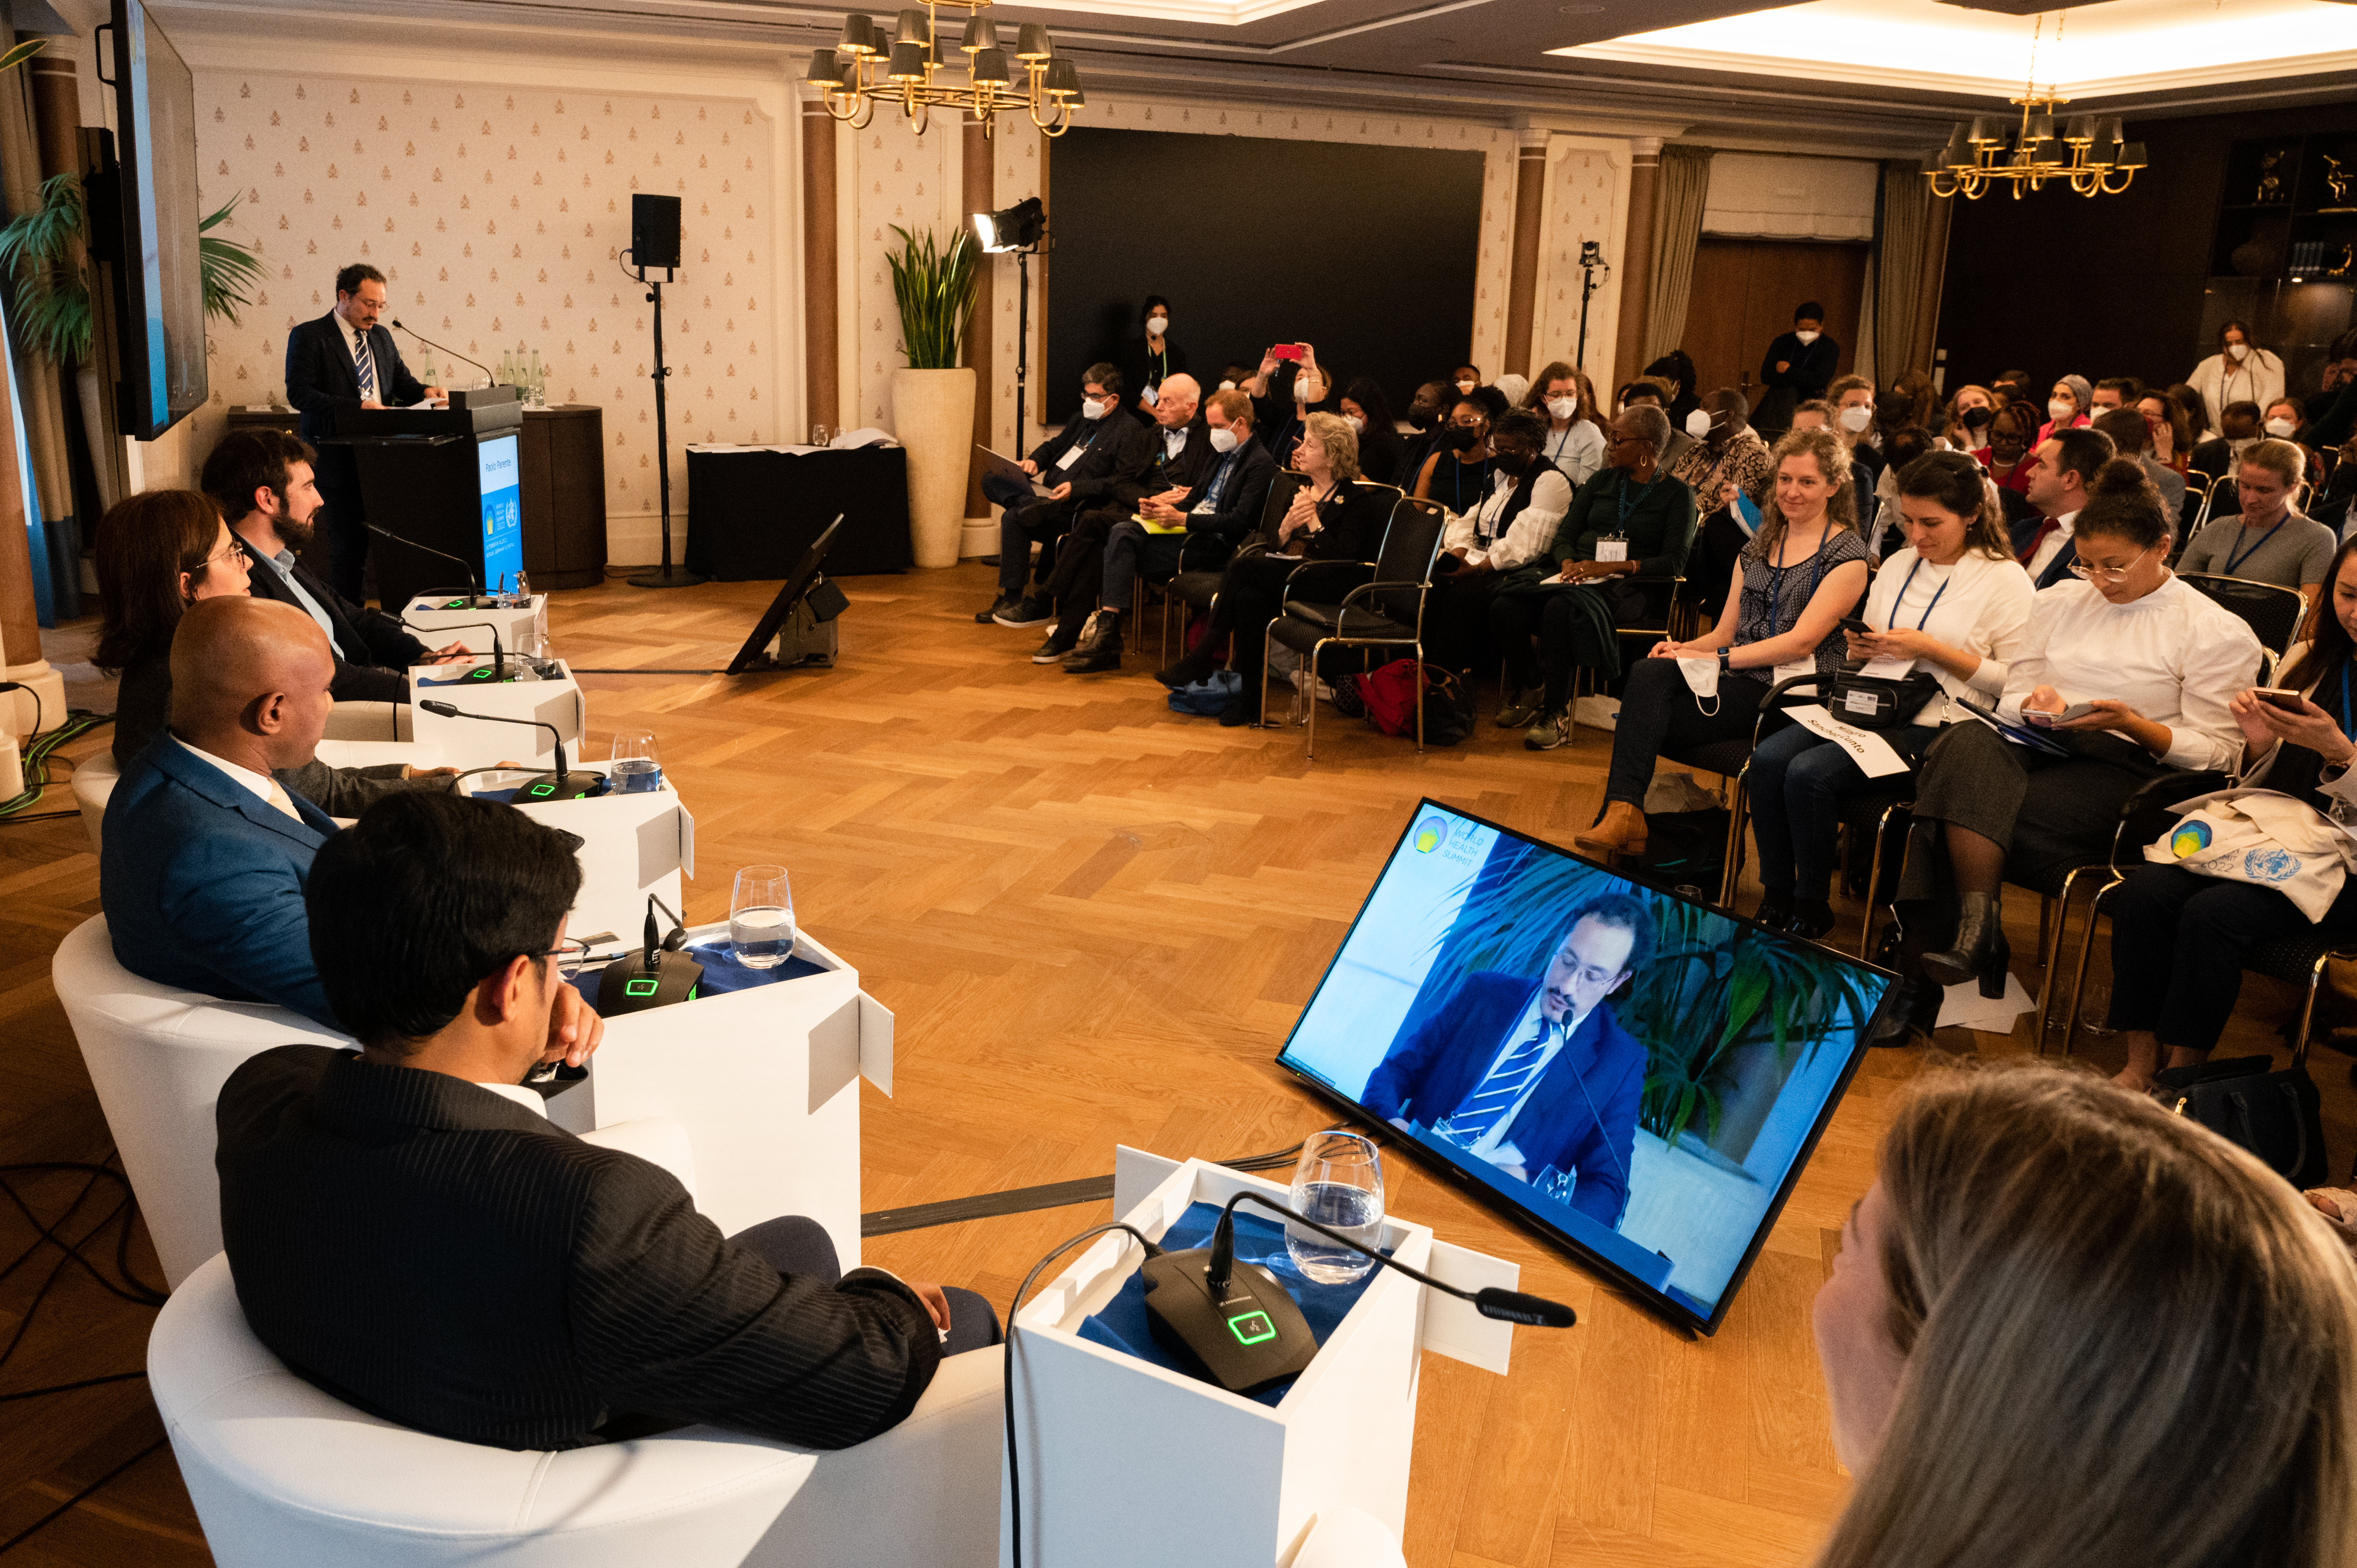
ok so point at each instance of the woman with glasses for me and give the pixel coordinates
(2122, 676)
(1803, 569)
(2180, 938)
(2012, 454)
(1459, 472)
(158, 553)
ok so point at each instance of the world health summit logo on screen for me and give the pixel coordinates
(1430, 834)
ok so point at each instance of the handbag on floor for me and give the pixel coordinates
(2273, 1115)
(1390, 695)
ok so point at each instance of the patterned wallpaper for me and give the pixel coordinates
(497, 214)
(1586, 199)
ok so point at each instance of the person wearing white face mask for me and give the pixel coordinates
(1081, 463)
(2068, 406)
(1151, 357)
(1853, 400)
(1725, 451)
(2240, 372)
(1575, 438)
(1467, 377)
(1798, 367)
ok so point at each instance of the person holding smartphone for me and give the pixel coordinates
(2155, 665)
(1952, 601)
(2180, 938)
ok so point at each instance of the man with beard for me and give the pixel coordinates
(264, 482)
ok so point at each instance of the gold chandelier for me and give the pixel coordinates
(2088, 152)
(864, 70)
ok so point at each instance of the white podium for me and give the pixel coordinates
(631, 845)
(434, 625)
(474, 742)
(767, 1083)
(1125, 1462)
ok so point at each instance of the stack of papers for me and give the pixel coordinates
(1966, 1008)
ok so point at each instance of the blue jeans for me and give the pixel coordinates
(1795, 788)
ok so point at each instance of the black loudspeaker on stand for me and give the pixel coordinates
(654, 243)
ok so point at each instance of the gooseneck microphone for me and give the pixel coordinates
(559, 784)
(499, 655)
(1243, 1327)
(656, 976)
(430, 343)
(475, 599)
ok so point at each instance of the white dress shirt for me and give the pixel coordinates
(1474, 530)
(284, 564)
(1978, 602)
(262, 784)
(1494, 1144)
(2051, 545)
(2174, 656)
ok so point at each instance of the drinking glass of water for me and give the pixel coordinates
(1340, 1184)
(633, 764)
(820, 434)
(762, 917)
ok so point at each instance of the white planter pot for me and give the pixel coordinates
(932, 413)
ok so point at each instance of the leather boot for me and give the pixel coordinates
(1190, 670)
(1913, 1009)
(1979, 951)
(1619, 837)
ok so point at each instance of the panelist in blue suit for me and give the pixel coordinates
(1534, 1075)
(204, 854)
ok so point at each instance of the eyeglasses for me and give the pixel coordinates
(568, 954)
(2108, 573)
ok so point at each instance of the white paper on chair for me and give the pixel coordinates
(1868, 750)
(1963, 1008)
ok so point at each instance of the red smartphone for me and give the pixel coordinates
(1285, 351)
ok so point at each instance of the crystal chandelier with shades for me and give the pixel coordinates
(866, 69)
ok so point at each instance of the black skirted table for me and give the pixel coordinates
(753, 511)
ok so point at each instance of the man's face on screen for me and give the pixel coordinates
(1593, 960)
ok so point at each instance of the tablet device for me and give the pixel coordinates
(1689, 1061)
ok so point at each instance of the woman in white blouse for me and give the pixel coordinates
(1952, 603)
(2240, 372)
(2122, 676)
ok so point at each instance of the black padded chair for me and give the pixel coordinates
(1381, 606)
(1202, 557)
(2273, 612)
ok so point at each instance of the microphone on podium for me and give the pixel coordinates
(432, 344)
(475, 598)
(560, 785)
(498, 670)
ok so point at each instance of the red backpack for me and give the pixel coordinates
(1389, 694)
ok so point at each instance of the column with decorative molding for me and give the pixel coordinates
(1636, 260)
(978, 185)
(822, 338)
(1529, 212)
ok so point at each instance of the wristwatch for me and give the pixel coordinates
(1722, 665)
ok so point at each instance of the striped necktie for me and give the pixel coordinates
(1495, 1095)
(364, 366)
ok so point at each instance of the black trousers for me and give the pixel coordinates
(2043, 811)
(2178, 939)
(1457, 621)
(1567, 640)
(1250, 591)
(1659, 711)
(1078, 578)
(794, 1245)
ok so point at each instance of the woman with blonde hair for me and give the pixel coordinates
(2067, 1328)
(1803, 569)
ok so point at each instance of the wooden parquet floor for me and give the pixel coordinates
(1096, 920)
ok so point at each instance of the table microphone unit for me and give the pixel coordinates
(490, 674)
(1243, 1329)
(563, 784)
(476, 599)
(656, 975)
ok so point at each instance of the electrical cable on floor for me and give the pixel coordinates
(74, 1501)
(79, 722)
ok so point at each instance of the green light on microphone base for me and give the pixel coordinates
(638, 987)
(542, 790)
(1252, 1328)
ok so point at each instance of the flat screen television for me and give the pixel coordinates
(160, 312)
(1639, 1077)
(500, 478)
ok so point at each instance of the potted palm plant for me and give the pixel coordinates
(932, 399)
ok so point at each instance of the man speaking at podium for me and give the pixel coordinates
(345, 360)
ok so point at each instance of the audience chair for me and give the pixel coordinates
(2274, 613)
(1384, 609)
(283, 1474)
(1678, 625)
(1197, 583)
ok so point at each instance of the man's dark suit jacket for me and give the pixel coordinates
(373, 653)
(1194, 461)
(1427, 1073)
(2058, 570)
(201, 880)
(441, 1257)
(320, 380)
(1241, 503)
(1114, 452)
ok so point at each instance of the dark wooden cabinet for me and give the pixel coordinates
(564, 460)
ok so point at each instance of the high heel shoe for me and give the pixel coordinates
(1979, 951)
(1913, 1009)
(1620, 837)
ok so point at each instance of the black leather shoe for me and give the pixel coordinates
(1192, 670)
(1244, 710)
(1811, 919)
(1775, 911)
(1913, 1009)
(1980, 952)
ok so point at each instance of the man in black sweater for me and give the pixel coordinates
(411, 1239)
(1080, 466)
(263, 480)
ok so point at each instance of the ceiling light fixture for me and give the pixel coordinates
(866, 68)
(2087, 150)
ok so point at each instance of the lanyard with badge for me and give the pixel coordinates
(2234, 560)
(1077, 453)
(1902, 599)
(1794, 669)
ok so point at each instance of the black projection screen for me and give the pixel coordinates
(1367, 252)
